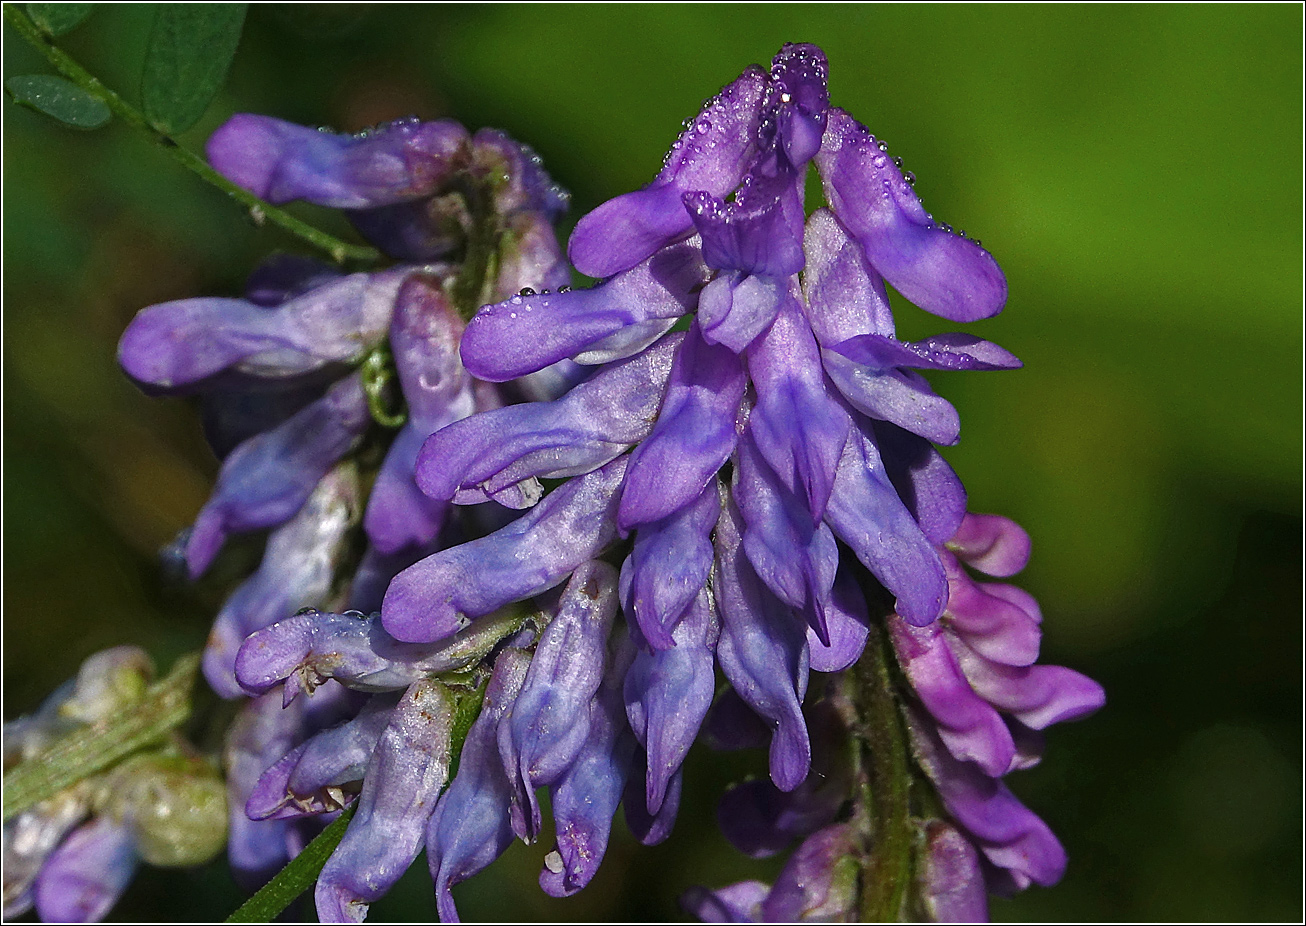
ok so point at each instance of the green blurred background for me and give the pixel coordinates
(1135, 169)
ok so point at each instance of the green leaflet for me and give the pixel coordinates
(186, 62)
(59, 18)
(58, 99)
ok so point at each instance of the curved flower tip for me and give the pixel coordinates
(738, 903)
(551, 718)
(819, 882)
(938, 270)
(269, 477)
(175, 345)
(280, 161)
(614, 320)
(992, 544)
(950, 878)
(87, 874)
(403, 779)
(336, 903)
(711, 155)
(434, 598)
(799, 72)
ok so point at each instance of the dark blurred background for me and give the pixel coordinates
(1135, 169)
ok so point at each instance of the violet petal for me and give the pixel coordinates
(845, 296)
(668, 567)
(799, 428)
(712, 154)
(867, 514)
(267, 479)
(279, 161)
(296, 572)
(586, 428)
(693, 437)
(763, 653)
(549, 722)
(173, 345)
(613, 320)
(586, 797)
(927, 485)
(432, 599)
(668, 692)
(469, 828)
(85, 876)
(939, 271)
(400, 787)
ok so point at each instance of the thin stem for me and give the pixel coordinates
(297, 877)
(470, 286)
(888, 870)
(340, 251)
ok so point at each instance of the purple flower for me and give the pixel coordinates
(403, 779)
(982, 696)
(87, 874)
(296, 572)
(470, 827)
(390, 180)
(550, 720)
(729, 414)
(818, 884)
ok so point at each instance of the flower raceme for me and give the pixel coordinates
(726, 460)
(290, 378)
(784, 419)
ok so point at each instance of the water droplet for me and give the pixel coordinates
(526, 291)
(515, 300)
(308, 612)
(910, 178)
(978, 244)
(565, 289)
(897, 162)
(946, 227)
(962, 233)
(785, 97)
(879, 161)
(883, 146)
(356, 615)
(702, 127)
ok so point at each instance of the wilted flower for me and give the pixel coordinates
(72, 854)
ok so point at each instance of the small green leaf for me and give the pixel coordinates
(58, 99)
(190, 50)
(57, 18)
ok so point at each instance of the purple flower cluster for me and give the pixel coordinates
(294, 377)
(974, 701)
(725, 460)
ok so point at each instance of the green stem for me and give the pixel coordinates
(95, 747)
(297, 877)
(888, 870)
(340, 251)
(469, 287)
